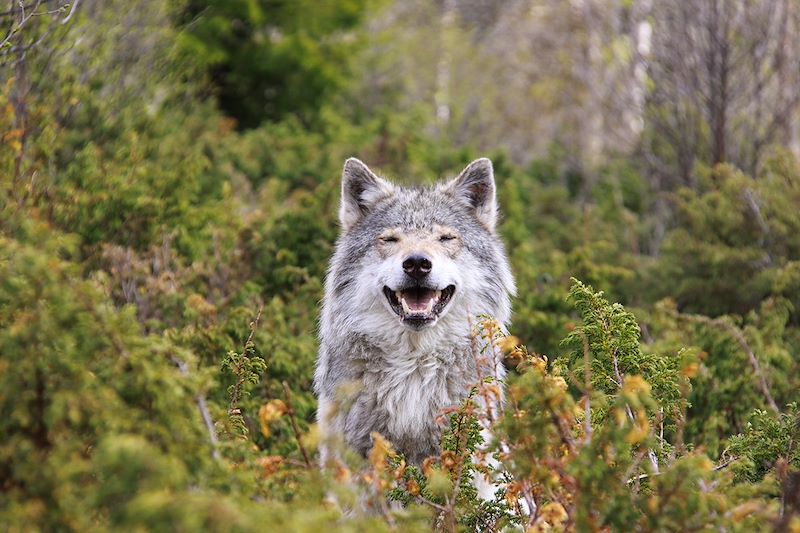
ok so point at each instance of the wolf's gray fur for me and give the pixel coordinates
(412, 270)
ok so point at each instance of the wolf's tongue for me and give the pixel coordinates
(418, 300)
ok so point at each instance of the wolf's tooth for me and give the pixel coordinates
(406, 308)
(436, 295)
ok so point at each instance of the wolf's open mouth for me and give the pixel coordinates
(417, 306)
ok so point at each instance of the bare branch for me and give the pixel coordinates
(202, 406)
(297, 435)
(71, 11)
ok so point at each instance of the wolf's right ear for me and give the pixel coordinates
(361, 190)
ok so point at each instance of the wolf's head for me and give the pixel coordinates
(408, 258)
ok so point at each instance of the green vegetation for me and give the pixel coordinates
(169, 179)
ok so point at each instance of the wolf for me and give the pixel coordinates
(412, 270)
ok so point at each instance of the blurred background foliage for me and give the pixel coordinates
(168, 169)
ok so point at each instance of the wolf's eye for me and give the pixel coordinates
(447, 237)
(390, 238)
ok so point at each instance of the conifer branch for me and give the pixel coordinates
(738, 336)
(239, 368)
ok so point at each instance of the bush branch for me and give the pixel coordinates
(295, 428)
(738, 336)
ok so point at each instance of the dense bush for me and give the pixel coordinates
(160, 274)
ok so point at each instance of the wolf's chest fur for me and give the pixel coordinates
(403, 392)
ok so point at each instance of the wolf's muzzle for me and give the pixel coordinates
(418, 306)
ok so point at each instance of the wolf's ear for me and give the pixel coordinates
(361, 190)
(475, 186)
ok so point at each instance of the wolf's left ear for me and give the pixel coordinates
(361, 191)
(475, 186)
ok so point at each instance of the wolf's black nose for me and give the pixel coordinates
(417, 266)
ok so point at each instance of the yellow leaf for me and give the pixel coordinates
(311, 438)
(400, 470)
(540, 365)
(554, 513)
(705, 464)
(635, 384)
(270, 412)
(559, 382)
(449, 460)
(439, 482)
(427, 466)
(740, 512)
(640, 431)
(508, 344)
(381, 449)
(342, 473)
(12, 134)
(200, 305)
(270, 464)
(690, 370)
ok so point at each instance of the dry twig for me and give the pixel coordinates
(295, 428)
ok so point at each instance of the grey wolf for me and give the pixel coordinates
(411, 271)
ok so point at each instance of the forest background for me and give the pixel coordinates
(169, 176)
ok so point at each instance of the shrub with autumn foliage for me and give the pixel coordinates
(594, 442)
(161, 267)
